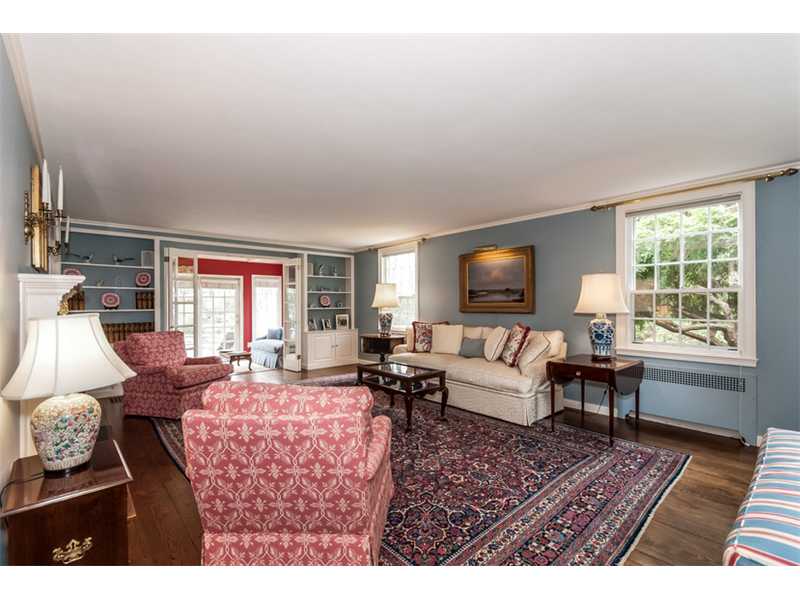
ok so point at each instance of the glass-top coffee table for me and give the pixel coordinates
(409, 382)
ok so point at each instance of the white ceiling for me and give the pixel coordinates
(349, 141)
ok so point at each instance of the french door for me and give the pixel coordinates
(182, 274)
(220, 324)
(291, 316)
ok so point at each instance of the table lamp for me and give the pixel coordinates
(601, 293)
(64, 356)
(385, 297)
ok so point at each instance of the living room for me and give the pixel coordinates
(402, 300)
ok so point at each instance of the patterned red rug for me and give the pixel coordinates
(477, 491)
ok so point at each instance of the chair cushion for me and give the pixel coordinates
(536, 346)
(162, 348)
(188, 376)
(495, 343)
(447, 339)
(423, 335)
(514, 344)
(472, 348)
(475, 371)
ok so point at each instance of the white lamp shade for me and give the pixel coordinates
(385, 296)
(601, 293)
(64, 355)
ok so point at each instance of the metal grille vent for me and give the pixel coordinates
(727, 383)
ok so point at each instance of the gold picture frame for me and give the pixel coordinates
(497, 281)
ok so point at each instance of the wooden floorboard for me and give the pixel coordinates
(689, 527)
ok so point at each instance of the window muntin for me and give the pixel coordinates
(399, 266)
(686, 265)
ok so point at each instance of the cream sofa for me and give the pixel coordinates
(492, 388)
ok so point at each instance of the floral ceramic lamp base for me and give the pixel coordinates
(601, 334)
(385, 323)
(64, 430)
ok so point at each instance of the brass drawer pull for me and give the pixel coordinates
(73, 551)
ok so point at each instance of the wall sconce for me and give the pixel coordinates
(40, 219)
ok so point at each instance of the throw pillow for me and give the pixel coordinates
(473, 332)
(514, 344)
(447, 339)
(495, 343)
(472, 348)
(423, 335)
(536, 347)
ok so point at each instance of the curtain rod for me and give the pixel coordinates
(765, 177)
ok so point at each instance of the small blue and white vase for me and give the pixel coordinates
(601, 334)
(385, 323)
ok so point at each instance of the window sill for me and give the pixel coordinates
(738, 361)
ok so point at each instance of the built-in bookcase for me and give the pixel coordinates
(93, 255)
(332, 276)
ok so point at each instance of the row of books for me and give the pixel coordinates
(145, 300)
(117, 332)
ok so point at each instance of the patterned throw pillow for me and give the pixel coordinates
(514, 344)
(423, 335)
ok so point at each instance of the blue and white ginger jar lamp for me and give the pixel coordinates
(385, 297)
(601, 294)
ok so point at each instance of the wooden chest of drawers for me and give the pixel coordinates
(81, 519)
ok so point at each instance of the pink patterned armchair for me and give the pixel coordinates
(167, 383)
(289, 475)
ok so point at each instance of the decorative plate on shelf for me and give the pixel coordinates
(71, 271)
(143, 279)
(324, 300)
(110, 300)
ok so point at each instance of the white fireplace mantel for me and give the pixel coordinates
(40, 296)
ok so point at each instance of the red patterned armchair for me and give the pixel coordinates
(167, 383)
(289, 475)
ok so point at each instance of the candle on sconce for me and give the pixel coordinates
(45, 184)
(66, 233)
(60, 188)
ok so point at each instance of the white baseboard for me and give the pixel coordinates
(603, 410)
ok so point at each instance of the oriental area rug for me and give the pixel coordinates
(473, 490)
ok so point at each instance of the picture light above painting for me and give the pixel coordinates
(497, 281)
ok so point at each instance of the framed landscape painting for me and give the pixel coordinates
(497, 281)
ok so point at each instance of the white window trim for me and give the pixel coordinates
(240, 280)
(746, 355)
(253, 278)
(402, 249)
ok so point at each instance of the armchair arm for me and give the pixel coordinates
(148, 370)
(379, 445)
(400, 349)
(188, 376)
(203, 360)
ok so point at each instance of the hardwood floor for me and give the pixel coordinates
(689, 527)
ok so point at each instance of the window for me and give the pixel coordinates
(183, 307)
(689, 266)
(220, 314)
(266, 304)
(398, 265)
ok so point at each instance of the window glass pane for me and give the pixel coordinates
(695, 275)
(667, 331)
(695, 247)
(725, 274)
(725, 216)
(669, 250)
(644, 305)
(695, 219)
(643, 331)
(668, 224)
(401, 269)
(667, 306)
(724, 245)
(669, 277)
(644, 227)
(694, 333)
(723, 334)
(694, 306)
(645, 278)
(645, 252)
(724, 305)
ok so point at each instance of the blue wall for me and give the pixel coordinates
(572, 244)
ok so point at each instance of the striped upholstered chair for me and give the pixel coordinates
(767, 530)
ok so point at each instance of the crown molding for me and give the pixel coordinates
(16, 59)
(718, 180)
